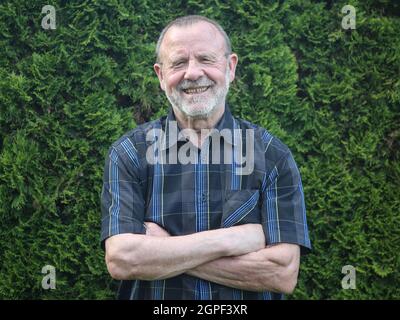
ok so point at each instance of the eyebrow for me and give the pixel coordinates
(179, 57)
(207, 55)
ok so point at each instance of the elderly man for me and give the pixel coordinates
(200, 229)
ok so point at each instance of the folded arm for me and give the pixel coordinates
(273, 268)
(151, 257)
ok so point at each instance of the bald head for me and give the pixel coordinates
(188, 21)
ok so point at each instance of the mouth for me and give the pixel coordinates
(196, 90)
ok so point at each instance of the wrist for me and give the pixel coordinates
(229, 241)
(219, 241)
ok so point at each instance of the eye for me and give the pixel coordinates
(206, 60)
(178, 64)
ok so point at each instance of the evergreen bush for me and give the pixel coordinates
(332, 95)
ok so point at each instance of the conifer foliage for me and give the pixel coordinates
(331, 94)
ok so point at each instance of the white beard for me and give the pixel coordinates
(200, 105)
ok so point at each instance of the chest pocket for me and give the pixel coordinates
(241, 207)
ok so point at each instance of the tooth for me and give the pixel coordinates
(196, 90)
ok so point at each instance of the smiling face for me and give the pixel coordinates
(195, 70)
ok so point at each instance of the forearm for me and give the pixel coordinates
(147, 257)
(269, 269)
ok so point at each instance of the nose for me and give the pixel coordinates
(194, 70)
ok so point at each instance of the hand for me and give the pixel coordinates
(153, 229)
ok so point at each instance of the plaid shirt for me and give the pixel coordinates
(194, 197)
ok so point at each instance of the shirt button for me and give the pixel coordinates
(204, 196)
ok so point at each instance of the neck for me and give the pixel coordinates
(198, 124)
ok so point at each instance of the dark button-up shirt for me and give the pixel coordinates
(144, 181)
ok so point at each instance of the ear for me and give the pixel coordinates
(233, 61)
(158, 69)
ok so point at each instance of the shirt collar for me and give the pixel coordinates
(171, 138)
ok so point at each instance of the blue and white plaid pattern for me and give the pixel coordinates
(185, 199)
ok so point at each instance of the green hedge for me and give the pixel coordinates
(332, 95)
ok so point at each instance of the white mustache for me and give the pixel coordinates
(202, 82)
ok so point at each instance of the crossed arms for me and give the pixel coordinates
(235, 257)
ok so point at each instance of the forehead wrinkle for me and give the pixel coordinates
(171, 43)
(199, 54)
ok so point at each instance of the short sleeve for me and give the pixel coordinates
(283, 208)
(122, 200)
